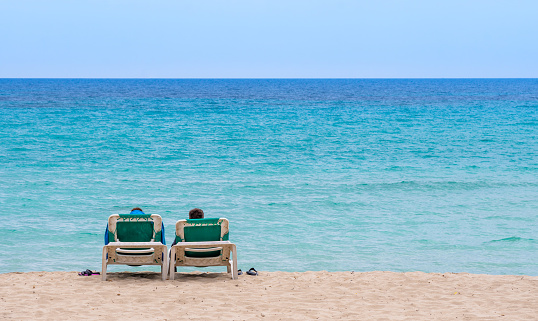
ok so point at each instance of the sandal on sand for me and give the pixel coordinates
(239, 272)
(252, 271)
(88, 273)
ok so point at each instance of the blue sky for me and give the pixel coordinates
(268, 39)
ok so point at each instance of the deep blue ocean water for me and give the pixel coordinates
(434, 175)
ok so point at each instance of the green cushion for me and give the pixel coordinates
(205, 229)
(134, 232)
(141, 231)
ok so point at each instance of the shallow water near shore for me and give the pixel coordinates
(398, 175)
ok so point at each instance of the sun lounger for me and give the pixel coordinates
(135, 239)
(201, 243)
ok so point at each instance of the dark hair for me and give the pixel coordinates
(196, 213)
(137, 209)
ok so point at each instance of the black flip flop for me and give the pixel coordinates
(88, 273)
(239, 272)
(252, 271)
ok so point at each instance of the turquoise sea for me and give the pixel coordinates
(434, 175)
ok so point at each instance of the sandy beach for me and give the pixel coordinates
(269, 296)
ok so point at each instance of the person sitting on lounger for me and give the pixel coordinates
(195, 213)
(139, 211)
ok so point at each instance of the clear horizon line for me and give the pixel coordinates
(265, 78)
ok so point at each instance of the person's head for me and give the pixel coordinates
(196, 213)
(137, 209)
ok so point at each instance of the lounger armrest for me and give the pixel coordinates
(134, 244)
(203, 244)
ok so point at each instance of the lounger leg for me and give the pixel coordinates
(229, 267)
(164, 264)
(234, 263)
(172, 263)
(105, 261)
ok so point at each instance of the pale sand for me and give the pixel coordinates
(269, 296)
